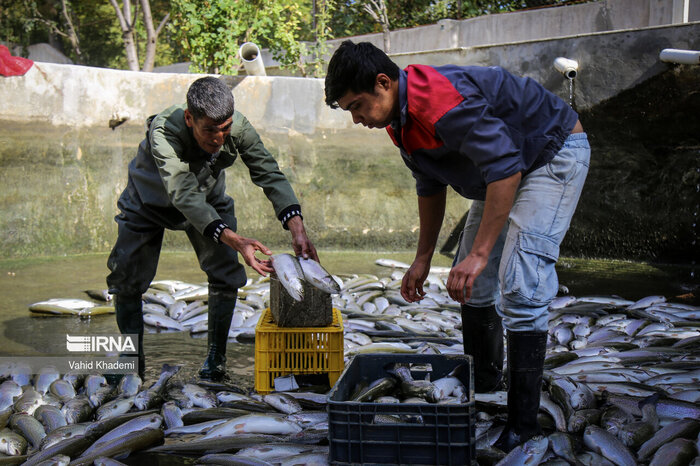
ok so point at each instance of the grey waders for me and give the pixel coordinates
(221, 306)
(483, 341)
(526, 351)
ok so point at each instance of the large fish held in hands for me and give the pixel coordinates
(290, 274)
(317, 276)
(292, 271)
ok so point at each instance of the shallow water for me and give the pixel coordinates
(23, 282)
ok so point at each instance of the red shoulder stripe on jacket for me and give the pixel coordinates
(430, 95)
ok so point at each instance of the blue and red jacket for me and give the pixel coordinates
(468, 126)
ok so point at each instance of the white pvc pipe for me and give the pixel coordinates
(567, 67)
(252, 59)
(684, 57)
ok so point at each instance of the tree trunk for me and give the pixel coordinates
(72, 35)
(387, 38)
(151, 35)
(378, 11)
(127, 27)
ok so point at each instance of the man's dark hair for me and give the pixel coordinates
(354, 67)
(210, 97)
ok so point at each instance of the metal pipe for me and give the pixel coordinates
(684, 57)
(566, 66)
(252, 59)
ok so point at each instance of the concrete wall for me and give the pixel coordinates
(544, 23)
(522, 26)
(609, 62)
(62, 169)
(84, 96)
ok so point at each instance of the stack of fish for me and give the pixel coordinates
(293, 271)
(82, 419)
(622, 379)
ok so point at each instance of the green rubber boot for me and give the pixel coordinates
(221, 306)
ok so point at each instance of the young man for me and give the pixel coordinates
(177, 181)
(520, 153)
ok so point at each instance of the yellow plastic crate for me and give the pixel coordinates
(282, 351)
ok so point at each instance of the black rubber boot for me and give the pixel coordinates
(482, 335)
(129, 312)
(526, 352)
(221, 306)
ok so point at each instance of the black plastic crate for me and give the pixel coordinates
(445, 435)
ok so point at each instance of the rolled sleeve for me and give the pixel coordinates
(471, 129)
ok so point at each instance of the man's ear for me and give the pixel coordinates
(189, 119)
(384, 81)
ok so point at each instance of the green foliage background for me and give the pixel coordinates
(208, 33)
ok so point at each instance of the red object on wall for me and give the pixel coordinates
(13, 66)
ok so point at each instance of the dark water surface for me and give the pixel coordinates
(26, 281)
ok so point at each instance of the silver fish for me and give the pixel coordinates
(198, 428)
(311, 459)
(158, 297)
(646, 302)
(392, 263)
(602, 442)
(94, 382)
(528, 453)
(62, 389)
(421, 388)
(273, 451)
(571, 395)
(172, 415)
(579, 420)
(129, 385)
(377, 388)
(679, 452)
(28, 402)
(63, 433)
(162, 322)
(683, 428)
(554, 410)
(316, 275)
(588, 458)
(148, 421)
(102, 395)
(199, 396)
(290, 274)
(121, 446)
(254, 424)
(309, 418)
(233, 459)
(634, 434)
(51, 417)
(11, 443)
(283, 403)
(9, 390)
(44, 379)
(115, 408)
(30, 428)
(78, 409)
(193, 294)
(563, 446)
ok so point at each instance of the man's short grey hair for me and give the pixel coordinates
(210, 97)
